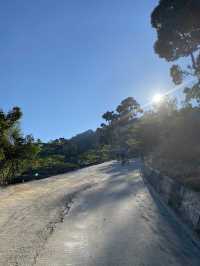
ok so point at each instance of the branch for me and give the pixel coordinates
(193, 61)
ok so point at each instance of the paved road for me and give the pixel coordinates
(113, 220)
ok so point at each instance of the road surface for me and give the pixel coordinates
(101, 215)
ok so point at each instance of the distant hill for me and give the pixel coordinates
(70, 148)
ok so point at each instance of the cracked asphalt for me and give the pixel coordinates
(101, 215)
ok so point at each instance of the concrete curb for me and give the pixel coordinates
(181, 202)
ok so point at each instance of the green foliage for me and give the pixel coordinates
(176, 148)
(110, 117)
(168, 136)
(116, 133)
(16, 152)
(128, 110)
(99, 155)
(22, 158)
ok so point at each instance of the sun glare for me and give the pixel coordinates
(157, 98)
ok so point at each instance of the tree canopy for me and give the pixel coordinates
(177, 23)
(178, 27)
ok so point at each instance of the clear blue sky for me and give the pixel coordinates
(66, 62)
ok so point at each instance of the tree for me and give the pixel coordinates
(110, 117)
(16, 152)
(128, 109)
(9, 133)
(116, 132)
(178, 35)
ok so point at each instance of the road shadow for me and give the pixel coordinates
(187, 244)
(115, 189)
(116, 169)
(149, 236)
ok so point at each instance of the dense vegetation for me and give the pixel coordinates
(23, 158)
(177, 25)
(166, 136)
(16, 152)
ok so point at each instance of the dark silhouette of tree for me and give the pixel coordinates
(177, 23)
(109, 117)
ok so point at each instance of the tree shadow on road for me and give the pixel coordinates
(147, 232)
(116, 169)
(112, 191)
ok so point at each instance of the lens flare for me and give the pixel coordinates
(157, 98)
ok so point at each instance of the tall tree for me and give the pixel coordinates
(128, 109)
(177, 23)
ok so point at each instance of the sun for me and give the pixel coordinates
(157, 98)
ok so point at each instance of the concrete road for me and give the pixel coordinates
(118, 222)
(101, 215)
